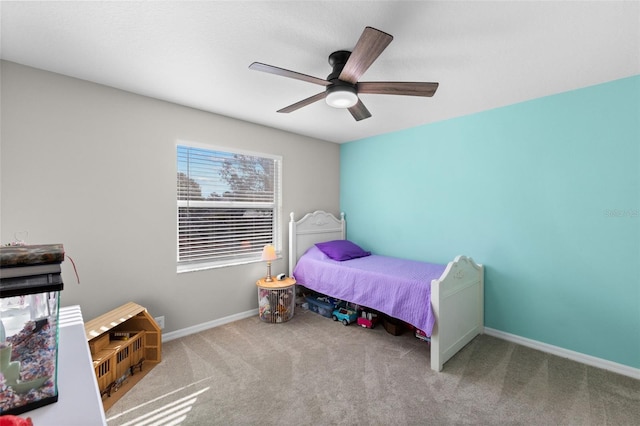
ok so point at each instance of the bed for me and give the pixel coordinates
(445, 301)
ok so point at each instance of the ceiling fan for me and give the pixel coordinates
(342, 86)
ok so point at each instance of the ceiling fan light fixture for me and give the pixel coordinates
(341, 96)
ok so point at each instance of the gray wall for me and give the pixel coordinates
(94, 168)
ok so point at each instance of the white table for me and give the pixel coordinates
(79, 402)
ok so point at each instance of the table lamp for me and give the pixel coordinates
(269, 254)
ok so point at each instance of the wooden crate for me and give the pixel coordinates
(122, 341)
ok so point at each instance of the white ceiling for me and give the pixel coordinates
(483, 54)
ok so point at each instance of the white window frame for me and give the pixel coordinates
(276, 205)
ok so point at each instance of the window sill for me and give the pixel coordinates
(203, 266)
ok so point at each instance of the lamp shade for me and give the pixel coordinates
(269, 253)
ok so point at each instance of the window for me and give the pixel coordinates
(229, 206)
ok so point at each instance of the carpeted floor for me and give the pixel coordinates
(313, 371)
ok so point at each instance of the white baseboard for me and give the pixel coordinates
(207, 325)
(625, 370)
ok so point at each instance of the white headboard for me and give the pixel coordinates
(313, 228)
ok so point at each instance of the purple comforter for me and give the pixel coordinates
(398, 287)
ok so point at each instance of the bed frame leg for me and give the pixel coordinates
(436, 359)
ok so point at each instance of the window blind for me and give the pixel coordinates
(228, 205)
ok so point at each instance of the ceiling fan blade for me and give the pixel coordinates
(398, 88)
(359, 111)
(258, 66)
(304, 102)
(370, 45)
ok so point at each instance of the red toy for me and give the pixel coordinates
(9, 420)
(367, 319)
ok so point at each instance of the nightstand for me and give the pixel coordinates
(276, 299)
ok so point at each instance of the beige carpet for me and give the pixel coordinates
(313, 371)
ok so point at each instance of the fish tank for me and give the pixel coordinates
(30, 286)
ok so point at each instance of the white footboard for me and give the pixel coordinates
(457, 298)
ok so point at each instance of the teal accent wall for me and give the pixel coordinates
(544, 193)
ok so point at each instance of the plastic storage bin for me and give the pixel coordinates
(30, 285)
(322, 305)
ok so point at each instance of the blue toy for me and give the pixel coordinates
(345, 315)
